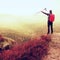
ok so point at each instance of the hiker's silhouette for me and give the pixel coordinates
(50, 20)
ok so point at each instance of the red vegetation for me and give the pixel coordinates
(29, 50)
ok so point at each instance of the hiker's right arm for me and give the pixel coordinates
(45, 13)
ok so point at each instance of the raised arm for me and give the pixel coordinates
(45, 13)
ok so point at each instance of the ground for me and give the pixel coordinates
(54, 48)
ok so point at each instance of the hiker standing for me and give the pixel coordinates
(51, 18)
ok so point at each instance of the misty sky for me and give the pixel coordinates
(14, 13)
(27, 7)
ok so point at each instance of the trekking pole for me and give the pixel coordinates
(45, 9)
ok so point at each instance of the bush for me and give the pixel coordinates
(34, 49)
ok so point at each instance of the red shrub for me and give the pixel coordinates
(30, 50)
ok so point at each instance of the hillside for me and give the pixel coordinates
(20, 37)
(15, 35)
(34, 49)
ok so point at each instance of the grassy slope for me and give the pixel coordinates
(34, 49)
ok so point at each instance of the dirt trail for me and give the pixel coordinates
(54, 48)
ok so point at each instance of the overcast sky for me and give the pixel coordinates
(26, 7)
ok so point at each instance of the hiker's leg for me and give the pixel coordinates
(48, 27)
(51, 27)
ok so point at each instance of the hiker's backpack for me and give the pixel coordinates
(52, 17)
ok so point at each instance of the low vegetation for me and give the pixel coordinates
(34, 49)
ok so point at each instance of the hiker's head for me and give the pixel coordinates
(50, 11)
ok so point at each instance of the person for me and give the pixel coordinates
(51, 17)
